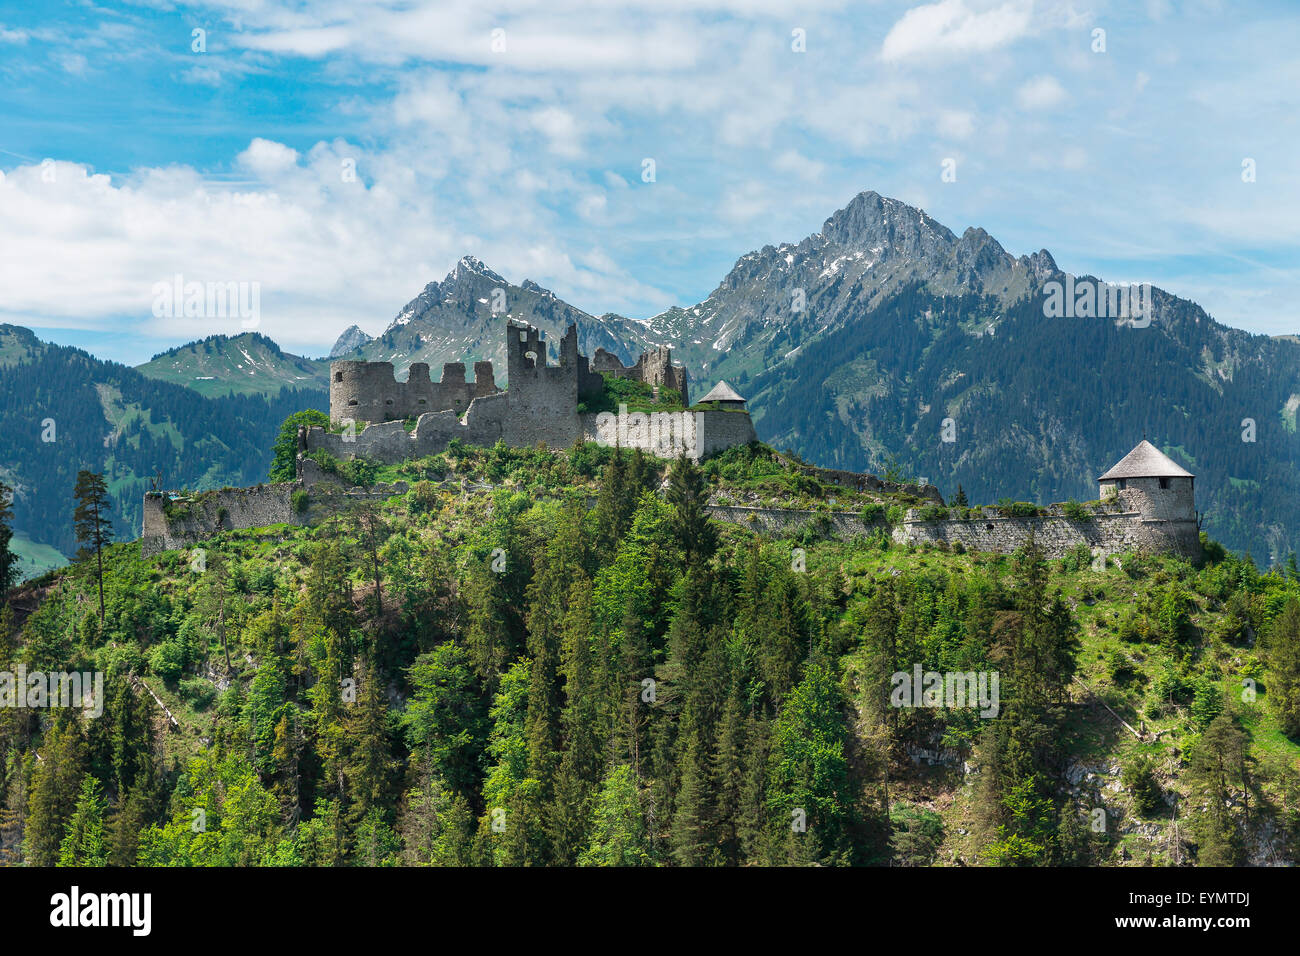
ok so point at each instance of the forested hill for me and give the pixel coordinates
(575, 668)
(247, 364)
(108, 418)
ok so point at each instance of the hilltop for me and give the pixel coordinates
(858, 344)
(540, 657)
(247, 364)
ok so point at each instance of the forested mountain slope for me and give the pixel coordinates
(247, 364)
(62, 410)
(573, 669)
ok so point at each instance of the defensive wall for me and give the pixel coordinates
(370, 392)
(1108, 528)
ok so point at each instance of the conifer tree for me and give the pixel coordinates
(688, 495)
(84, 840)
(54, 792)
(133, 815)
(1282, 652)
(369, 764)
(487, 631)
(619, 833)
(93, 528)
(1219, 767)
(580, 764)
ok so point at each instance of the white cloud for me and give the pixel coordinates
(74, 63)
(1040, 93)
(266, 158)
(592, 206)
(951, 26)
(85, 251)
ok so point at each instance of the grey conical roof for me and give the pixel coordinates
(722, 392)
(1146, 461)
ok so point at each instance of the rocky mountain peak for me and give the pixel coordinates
(468, 267)
(890, 228)
(351, 339)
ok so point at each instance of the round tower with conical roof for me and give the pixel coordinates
(1160, 492)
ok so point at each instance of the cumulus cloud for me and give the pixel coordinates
(266, 158)
(951, 26)
(531, 156)
(325, 251)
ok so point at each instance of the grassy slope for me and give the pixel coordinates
(34, 558)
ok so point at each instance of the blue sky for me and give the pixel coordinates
(129, 157)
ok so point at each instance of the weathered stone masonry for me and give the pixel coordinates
(540, 405)
(370, 392)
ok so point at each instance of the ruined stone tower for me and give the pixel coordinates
(654, 368)
(543, 398)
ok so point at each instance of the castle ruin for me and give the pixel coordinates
(540, 404)
(1146, 501)
(655, 368)
(369, 391)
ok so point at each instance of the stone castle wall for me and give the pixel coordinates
(1104, 533)
(541, 404)
(389, 442)
(542, 400)
(200, 517)
(1108, 530)
(669, 434)
(369, 391)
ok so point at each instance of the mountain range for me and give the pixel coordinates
(886, 342)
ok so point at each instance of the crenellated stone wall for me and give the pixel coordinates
(370, 392)
(389, 442)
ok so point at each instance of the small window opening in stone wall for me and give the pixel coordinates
(352, 401)
(988, 527)
(1164, 484)
(338, 376)
(1123, 483)
(388, 402)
